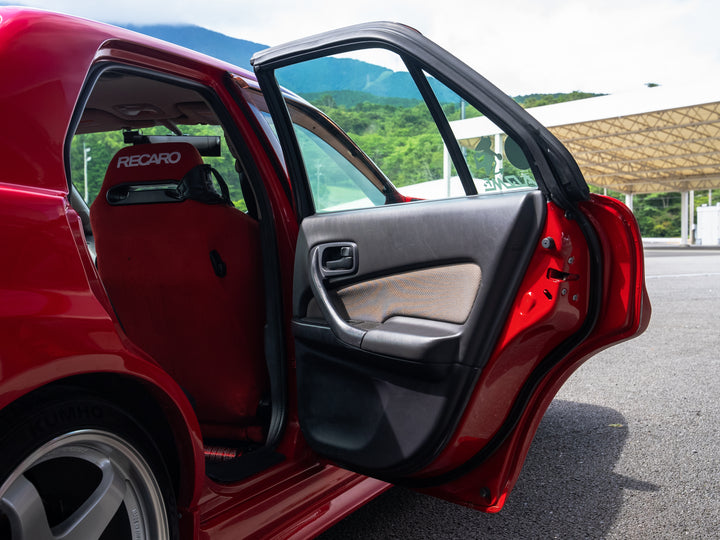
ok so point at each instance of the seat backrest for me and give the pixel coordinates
(185, 280)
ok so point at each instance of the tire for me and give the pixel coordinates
(82, 469)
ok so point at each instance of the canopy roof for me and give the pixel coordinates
(658, 139)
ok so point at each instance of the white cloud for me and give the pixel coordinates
(523, 46)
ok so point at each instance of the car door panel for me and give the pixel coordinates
(621, 316)
(401, 384)
(416, 388)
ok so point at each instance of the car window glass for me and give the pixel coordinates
(336, 184)
(496, 161)
(378, 104)
(340, 175)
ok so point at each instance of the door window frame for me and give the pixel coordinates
(555, 171)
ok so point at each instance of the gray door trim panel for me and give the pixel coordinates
(498, 233)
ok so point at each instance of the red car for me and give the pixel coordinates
(242, 327)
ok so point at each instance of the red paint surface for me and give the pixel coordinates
(56, 321)
(624, 313)
(524, 342)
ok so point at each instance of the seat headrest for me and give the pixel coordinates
(151, 162)
(160, 173)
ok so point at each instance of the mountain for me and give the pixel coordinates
(319, 76)
(339, 74)
(312, 80)
(233, 50)
(361, 81)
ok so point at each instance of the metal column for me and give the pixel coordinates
(629, 201)
(684, 218)
(447, 168)
(691, 210)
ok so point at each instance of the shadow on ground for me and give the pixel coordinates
(567, 489)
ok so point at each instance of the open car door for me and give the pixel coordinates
(435, 322)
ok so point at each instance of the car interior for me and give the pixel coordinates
(180, 261)
(182, 250)
(174, 228)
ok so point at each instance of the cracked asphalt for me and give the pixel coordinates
(630, 447)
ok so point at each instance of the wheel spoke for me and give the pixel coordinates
(25, 510)
(126, 499)
(93, 516)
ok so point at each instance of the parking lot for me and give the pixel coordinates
(630, 448)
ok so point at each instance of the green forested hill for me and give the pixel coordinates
(399, 136)
(337, 74)
(536, 100)
(350, 98)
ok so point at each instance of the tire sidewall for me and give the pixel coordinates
(25, 429)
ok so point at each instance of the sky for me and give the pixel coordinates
(523, 46)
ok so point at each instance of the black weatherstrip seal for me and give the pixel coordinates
(540, 372)
(235, 92)
(291, 148)
(443, 126)
(275, 353)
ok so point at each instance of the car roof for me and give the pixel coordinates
(45, 58)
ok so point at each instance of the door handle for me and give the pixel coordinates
(344, 262)
(318, 271)
(337, 258)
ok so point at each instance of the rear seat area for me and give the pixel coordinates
(183, 271)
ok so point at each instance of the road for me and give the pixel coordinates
(630, 447)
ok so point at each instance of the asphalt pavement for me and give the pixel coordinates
(630, 447)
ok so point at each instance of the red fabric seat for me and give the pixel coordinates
(155, 261)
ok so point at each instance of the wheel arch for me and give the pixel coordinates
(152, 408)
